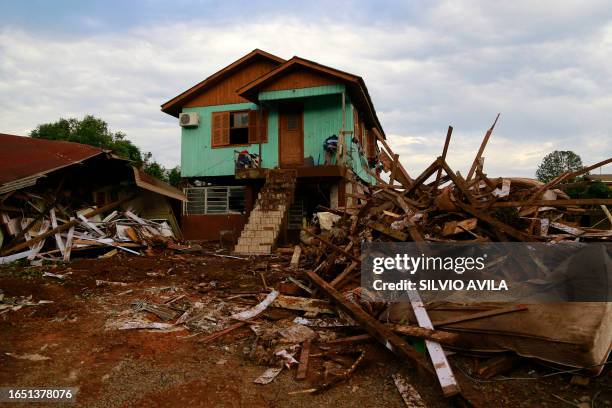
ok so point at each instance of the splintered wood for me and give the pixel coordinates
(438, 205)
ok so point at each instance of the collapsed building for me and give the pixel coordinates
(47, 188)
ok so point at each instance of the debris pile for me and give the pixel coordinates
(40, 228)
(441, 205)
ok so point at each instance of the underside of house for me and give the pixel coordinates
(267, 143)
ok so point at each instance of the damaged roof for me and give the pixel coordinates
(148, 182)
(23, 159)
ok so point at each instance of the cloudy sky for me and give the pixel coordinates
(545, 65)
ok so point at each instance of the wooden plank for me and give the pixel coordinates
(221, 333)
(343, 274)
(302, 303)
(394, 168)
(295, 258)
(444, 372)
(521, 236)
(485, 140)
(409, 395)
(69, 243)
(332, 246)
(92, 227)
(304, 355)
(422, 178)
(376, 329)
(436, 183)
(496, 365)
(15, 257)
(554, 203)
(481, 315)
(380, 227)
(58, 237)
(607, 212)
(457, 227)
(426, 333)
(403, 177)
(565, 176)
(349, 340)
(67, 225)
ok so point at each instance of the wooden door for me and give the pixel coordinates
(291, 137)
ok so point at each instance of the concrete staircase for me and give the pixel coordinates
(269, 215)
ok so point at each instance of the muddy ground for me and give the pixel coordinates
(142, 368)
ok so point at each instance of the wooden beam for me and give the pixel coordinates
(304, 355)
(422, 178)
(394, 168)
(554, 203)
(521, 236)
(481, 315)
(446, 378)
(374, 327)
(565, 176)
(333, 246)
(343, 274)
(481, 150)
(295, 258)
(380, 227)
(449, 132)
(426, 333)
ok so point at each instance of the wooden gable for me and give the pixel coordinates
(224, 91)
(300, 77)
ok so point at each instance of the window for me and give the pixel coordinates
(215, 200)
(235, 128)
(239, 128)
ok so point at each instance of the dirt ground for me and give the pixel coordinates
(147, 368)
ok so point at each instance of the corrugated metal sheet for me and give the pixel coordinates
(23, 159)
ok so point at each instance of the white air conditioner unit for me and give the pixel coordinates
(189, 119)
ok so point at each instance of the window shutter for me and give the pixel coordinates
(258, 126)
(371, 144)
(253, 129)
(220, 129)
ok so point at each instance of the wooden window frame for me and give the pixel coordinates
(254, 128)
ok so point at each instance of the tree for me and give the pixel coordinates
(95, 132)
(174, 176)
(556, 163)
(153, 168)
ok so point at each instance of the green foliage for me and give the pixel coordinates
(153, 168)
(95, 132)
(174, 176)
(556, 163)
(596, 189)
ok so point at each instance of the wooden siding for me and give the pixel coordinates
(298, 79)
(224, 92)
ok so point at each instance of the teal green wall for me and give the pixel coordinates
(322, 118)
(199, 159)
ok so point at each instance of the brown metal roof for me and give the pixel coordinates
(24, 159)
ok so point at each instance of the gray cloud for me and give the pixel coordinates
(547, 67)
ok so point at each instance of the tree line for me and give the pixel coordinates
(95, 132)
